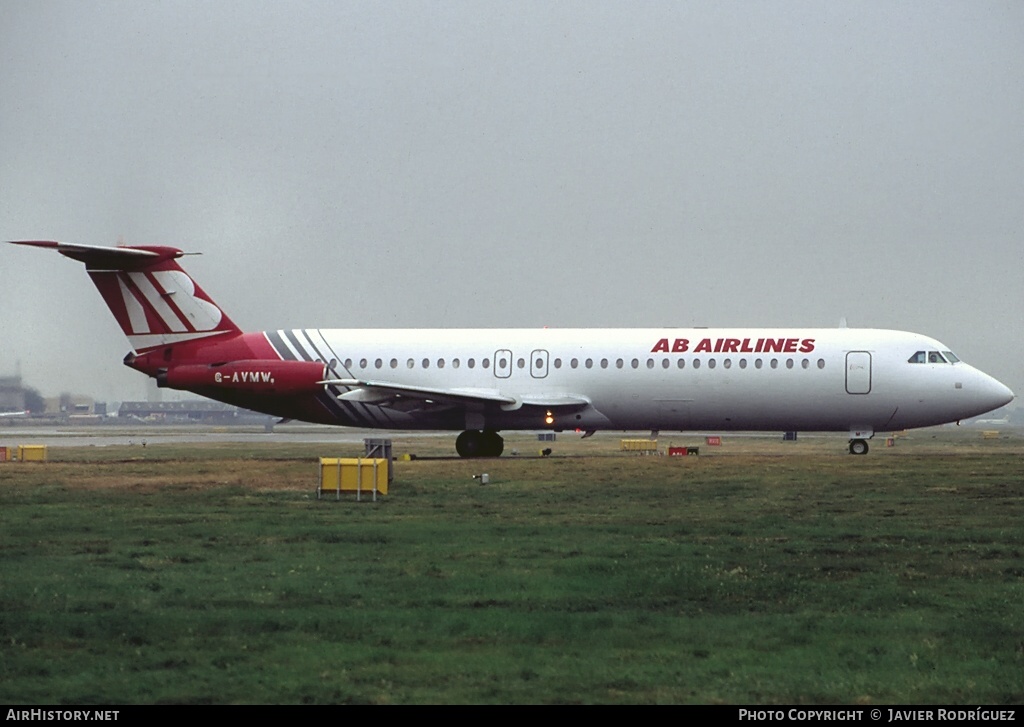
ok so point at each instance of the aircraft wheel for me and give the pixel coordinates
(494, 445)
(858, 446)
(470, 444)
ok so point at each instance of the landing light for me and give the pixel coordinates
(549, 418)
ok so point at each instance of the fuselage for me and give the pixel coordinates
(666, 379)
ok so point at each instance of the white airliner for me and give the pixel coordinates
(483, 381)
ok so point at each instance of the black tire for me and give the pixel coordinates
(858, 446)
(494, 445)
(470, 444)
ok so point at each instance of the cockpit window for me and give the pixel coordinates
(934, 357)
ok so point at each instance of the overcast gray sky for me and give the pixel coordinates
(367, 164)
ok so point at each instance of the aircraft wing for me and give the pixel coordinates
(380, 392)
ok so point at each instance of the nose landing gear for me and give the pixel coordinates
(859, 437)
(858, 446)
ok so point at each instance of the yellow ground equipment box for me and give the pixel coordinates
(31, 452)
(361, 476)
(638, 445)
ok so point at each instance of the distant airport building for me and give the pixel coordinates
(190, 410)
(69, 405)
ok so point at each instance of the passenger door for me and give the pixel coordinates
(858, 372)
(503, 363)
(539, 363)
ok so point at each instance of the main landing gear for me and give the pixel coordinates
(472, 443)
(858, 446)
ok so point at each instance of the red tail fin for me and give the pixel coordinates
(153, 299)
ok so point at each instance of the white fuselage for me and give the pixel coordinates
(857, 380)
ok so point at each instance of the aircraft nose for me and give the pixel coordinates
(1006, 394)
(993, 393)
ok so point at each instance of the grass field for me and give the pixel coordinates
(758, 572)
